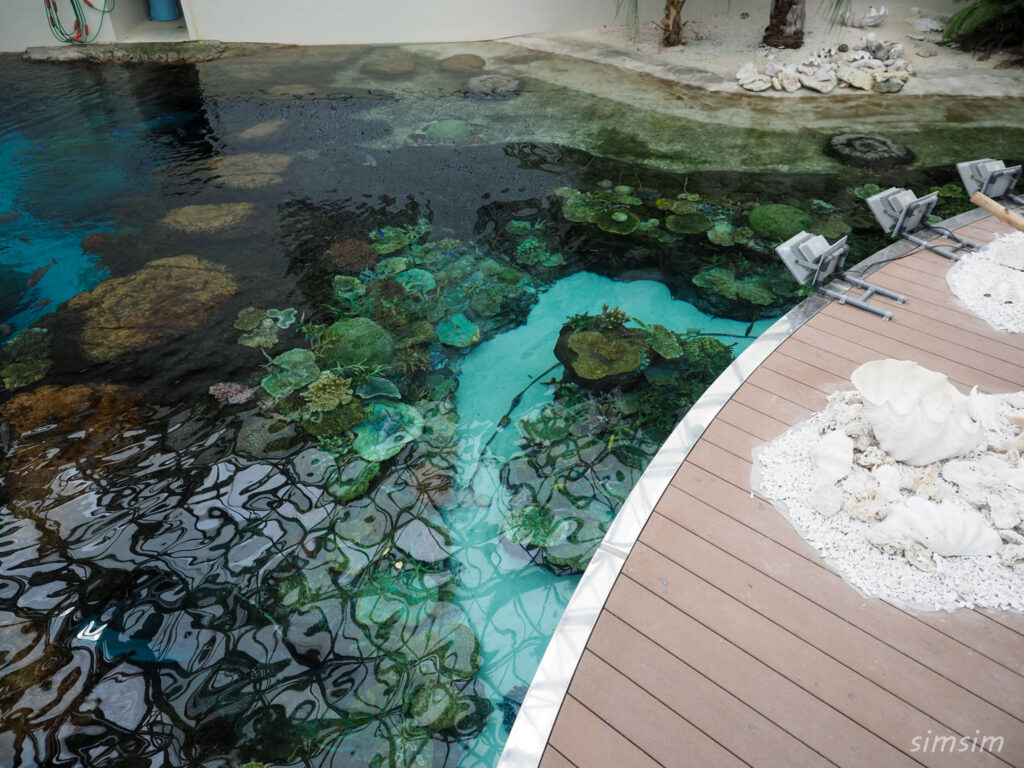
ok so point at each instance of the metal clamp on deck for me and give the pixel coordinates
(992, 178)
(899, 211)
(812, 260)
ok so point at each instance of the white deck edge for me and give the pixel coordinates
(532, 728)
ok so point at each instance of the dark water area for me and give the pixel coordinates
(191, 580)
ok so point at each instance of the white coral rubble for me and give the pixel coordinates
(945, 534)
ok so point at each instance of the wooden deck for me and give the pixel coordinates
(727, 641)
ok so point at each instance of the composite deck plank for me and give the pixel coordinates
(836, 684)
(993, 693)
(901, 342)
(552, 758)
(758, 423)
(587, 741)
(748, 529)
(833, 733)
(617, 699)
(770, 404)
(724, 617)
(708, 706)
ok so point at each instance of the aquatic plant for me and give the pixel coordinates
(610, 318)
(533, 525)
(988, 25)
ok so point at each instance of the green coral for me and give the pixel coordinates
(866, 191)
(283, 318)
(327, 392)
(664, 342)
(600, 355)
(249, 318)
(347, 288)
(617, 222)
(687, 223)
(458, 331)
(290, 370)
(332, 422)
(417, 281)
(391, 239)
(778, 222)
(386, 428)
(724, 282)
(16, 375)
(356, 341)
(533, 525)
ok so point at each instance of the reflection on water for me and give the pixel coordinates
(310, 477)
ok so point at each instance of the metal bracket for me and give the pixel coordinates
(899, 212)
(992, 178)
(812, 260)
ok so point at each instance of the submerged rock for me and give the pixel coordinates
(208, 219)
(162, 301)
(464, 63)
(867, 150)
(389, 63)
(599, 360)
(500, 86)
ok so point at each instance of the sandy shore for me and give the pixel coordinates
(717, 46)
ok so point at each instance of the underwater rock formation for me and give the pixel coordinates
(162, 301)
(208, 219)
(866, 150)
(462, 63)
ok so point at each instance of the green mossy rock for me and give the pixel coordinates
(357, 341)
(778, 222)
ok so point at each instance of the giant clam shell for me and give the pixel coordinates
(918, 417)
(949, 528)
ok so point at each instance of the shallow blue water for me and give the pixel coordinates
(178, 585)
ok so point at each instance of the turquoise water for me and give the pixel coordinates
(297, 476)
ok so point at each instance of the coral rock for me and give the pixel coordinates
(162, 301)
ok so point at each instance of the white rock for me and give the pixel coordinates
(872, 17)
(857, 77)
(926, 24)
(772, 67)
(1005, 509)
(747, 73)
(789, 79)
(822, 86)
(759, 83)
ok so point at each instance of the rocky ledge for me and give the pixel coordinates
(186, 52)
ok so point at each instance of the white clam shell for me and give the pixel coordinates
(918, 417)
(949, 528)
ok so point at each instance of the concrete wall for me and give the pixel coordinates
(324, 22)
(321, 22)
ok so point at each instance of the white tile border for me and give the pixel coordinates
(532, 728)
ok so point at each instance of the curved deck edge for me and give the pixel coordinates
(532, 728)
(529, 735)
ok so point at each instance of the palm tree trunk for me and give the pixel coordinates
(672, 25)
(786, 24)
